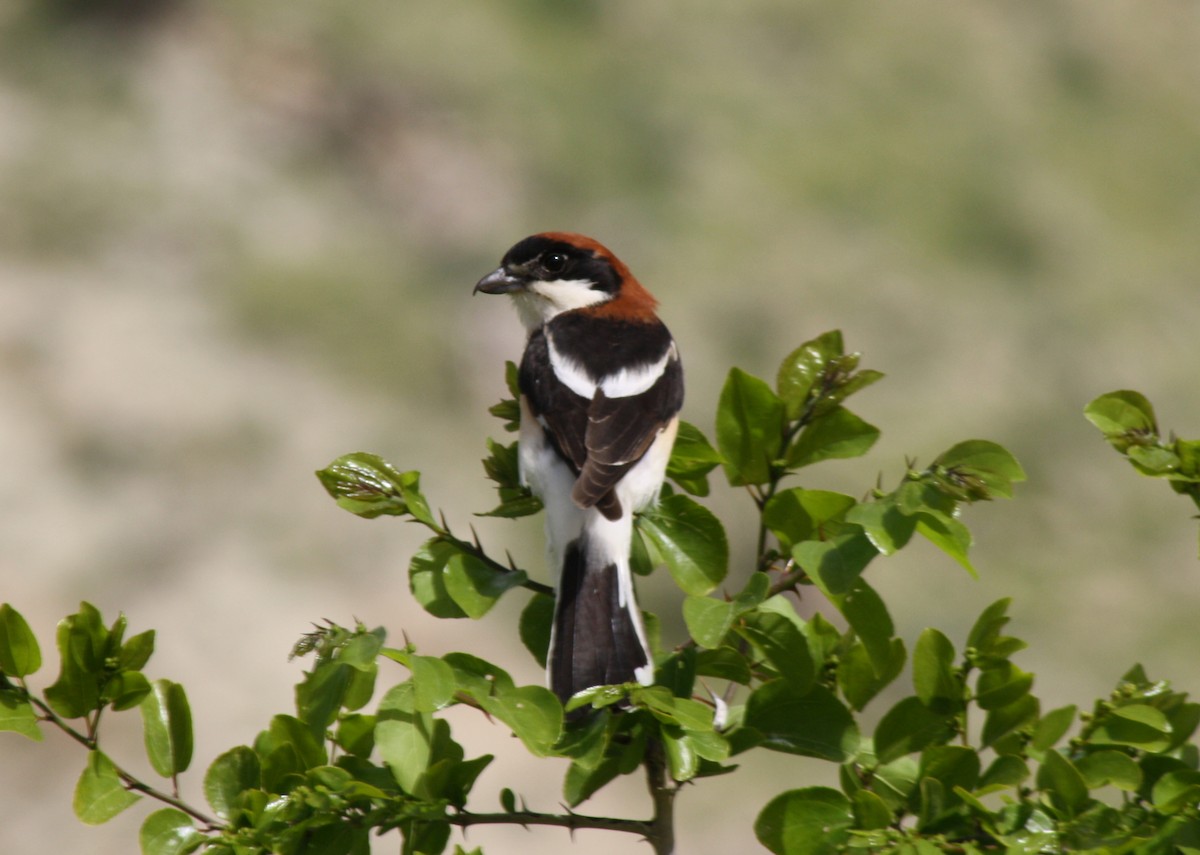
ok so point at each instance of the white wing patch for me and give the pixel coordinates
(624, 384)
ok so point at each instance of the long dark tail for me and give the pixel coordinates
(597, 640)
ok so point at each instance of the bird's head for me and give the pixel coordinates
(555, 272)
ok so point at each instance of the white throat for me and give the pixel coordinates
(538, 302)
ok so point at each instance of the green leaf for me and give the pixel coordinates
(803, 367)
(984, 462)
(534, 714)
(934, 677)
(1061, 781)
(857, 678)
(808, 821)
(692, 458)
(887, 527)
(1136, 725)
(951, 766)
(169, 832)
(708, 620)
(1120, 412)
(502, 466)
(125, 690)
(474, 586)
(1007, 771)
(136, 652)
(1110, 768)
(17, 715)
(871, 813)
(231, 774)
(368, 486)
(537, 619)
(1001, 685)
(99, 794)
(1052, 727)
(405, 744)
(750, 423)
(948, 535)
(834, 565)
(20, 655)
(427, 579)
(813, 723)
(838, 434)
(910, 726)
(987, 626)
(433, 683)
(1020, 715)
(866, 613)
(690, 540)
(782, 645)
(1177, 791)
(167, 721)
(724, 663)
(81, 639)
(798, 515)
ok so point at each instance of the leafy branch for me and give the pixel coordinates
(965, 761)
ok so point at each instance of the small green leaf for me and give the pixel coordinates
(809, 821)
(1136, 725)
(136, 652)
(690, 539)
(992, 465)
(871, 812)
(1052, 727)
(798, 515)
(367, 485)
(838, 434)
(1061, 781)
(533, 713)
(857, 678)
(948, 535)
(17, 715)
(708, 620)
(1110, 768)
(1007, 771)
(834, 565)
(866, 613)
(888, 528)
(933, 672)
(537, 618)
(405, 744)
(231, 774)
(20, 655)
(100, 795)
(1177, 791)
(782, 645)
(125, 690)
(1001, 685)
(433, 683)
(910, 726)
(988, 625)
(81, 639)
(692, 458)
(951, 766)
(474, 586)
(1020, 715)
(1120, 412)
(801, 369)
(750, 422)
(427, 579)
(167, 721)
(813, 723)
(169, 832)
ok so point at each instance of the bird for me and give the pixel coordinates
(601, 387)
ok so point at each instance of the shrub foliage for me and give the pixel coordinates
(966, 761)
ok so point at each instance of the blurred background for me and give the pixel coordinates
(239, 239)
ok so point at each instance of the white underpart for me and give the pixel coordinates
(538, 302)
(624, 384)
(551, 480)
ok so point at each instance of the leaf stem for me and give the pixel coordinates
(131, 782)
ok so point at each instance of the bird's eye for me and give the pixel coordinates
(554, 262)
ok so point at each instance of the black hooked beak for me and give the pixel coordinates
(499, 281)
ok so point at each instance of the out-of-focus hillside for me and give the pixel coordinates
(238, 239)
